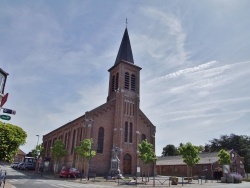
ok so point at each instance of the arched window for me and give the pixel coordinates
(143, 137)
(113, 83)
(73, 142)
(133, 82)
(65, 140)
(126, 80)
(116, 80)
(131, 132)
(100, 140)
(126, 132)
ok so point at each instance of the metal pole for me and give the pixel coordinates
(154, 175)
(37, 139)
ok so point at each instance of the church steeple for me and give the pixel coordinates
(125, 51)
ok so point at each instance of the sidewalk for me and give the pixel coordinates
(8, 185)
(132, 183)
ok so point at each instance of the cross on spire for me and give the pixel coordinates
(126, 22)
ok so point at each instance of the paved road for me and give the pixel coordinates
(21, 179)
(28, 179)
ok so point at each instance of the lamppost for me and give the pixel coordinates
(37, 139)
(38, 154)
(38, 160)
(90, 123)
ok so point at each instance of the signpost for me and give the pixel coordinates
(5, 117)
(8, 111)
(4, 99)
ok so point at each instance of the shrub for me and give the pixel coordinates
(237, 177)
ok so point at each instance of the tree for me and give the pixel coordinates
(37, 152)
(85, 152)
(224, 157)
(189, 154)
(201, 148)
(11, 138)
(58, 151)
(146, 153)
(169, 150)
(239, 143)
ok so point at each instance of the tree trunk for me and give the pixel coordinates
(142, 173)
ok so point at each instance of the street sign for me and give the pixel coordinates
(4, 99)
(5, 117)
(9, 111)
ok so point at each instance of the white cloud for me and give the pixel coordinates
(194, 77)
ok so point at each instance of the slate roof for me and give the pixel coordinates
(205, 158)
(125, 51)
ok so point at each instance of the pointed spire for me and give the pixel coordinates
(125, 51)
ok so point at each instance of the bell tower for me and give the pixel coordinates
(124, 75)
(124, 89)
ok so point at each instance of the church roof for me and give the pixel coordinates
(125, 51)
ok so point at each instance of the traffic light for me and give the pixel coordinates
(9, 111)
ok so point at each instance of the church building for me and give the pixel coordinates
(119, 123)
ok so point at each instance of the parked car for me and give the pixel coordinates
(29, 166)
(14, 164)
(69, 172)
(20, 165)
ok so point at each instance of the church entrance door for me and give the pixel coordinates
(127, 162)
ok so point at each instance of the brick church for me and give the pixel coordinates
(118, 123)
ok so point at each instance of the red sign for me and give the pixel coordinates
(4, 99)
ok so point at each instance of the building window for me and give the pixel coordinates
(54, 140)
(49, 147)
(126, 80)
(65, 140)
(73, 141)
(81, 135)
(116, 81)
(133, 109)
(131, 106)
(124, 107)
(127, 106)
(100, 140)
(131, 133)
(126, 132)
(68, 141)
(204, 167)
(113, 83)
(162, 168)
(143, 137)
(133, 82)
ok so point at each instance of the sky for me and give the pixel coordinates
(195, 59)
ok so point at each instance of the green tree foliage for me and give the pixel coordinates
(224, 157)
(84, 151)
(29, 154)
(170, 150)
(37, 151)
(189, 154)
(201, 148)
(11, 138)
(58, 151)
(239, 143)
(146, 153)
